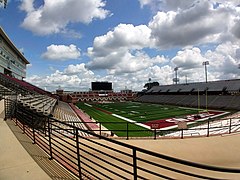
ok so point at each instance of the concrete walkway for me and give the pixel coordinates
(15, 162)
(22, 160)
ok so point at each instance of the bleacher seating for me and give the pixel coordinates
(218, 94)
(215, 86)
(64, 113)
(39, 103)
(32, 98)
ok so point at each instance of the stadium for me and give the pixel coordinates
(179, 131)
(172, 130)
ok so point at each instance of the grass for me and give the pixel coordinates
(139, 112)
(118, 126)
(143, 112)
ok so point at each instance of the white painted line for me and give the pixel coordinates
(129, 120)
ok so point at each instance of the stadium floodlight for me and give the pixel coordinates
(205, 63)
(176, 79)
(149, 81)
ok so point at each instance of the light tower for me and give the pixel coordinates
(205, 63)
(149, 83)
(176, 78)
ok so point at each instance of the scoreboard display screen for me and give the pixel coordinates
(98, 86)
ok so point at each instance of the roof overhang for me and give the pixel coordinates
(10, 43)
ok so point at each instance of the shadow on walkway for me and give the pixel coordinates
(51, 167)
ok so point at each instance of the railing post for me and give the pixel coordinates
(74, 130)
(78, 154)
(134, 164)
(230, 125)
(100, 129)
(127, 130)
(23, 128)
(155, 133)
(208, 126)
(16, 121)
(182, 134)
(49, 139)
(33, 131)
(45, 129)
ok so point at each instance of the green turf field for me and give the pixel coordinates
(139, 112)
(143, 112)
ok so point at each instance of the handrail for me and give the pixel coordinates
(169, 158)
(75, 161)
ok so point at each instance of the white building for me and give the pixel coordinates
(12, 61)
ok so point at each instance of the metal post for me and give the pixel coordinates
(78, 155)
(16, 121)
(127, 130)
(155, 133)
(198, 102)
(230, 126)
(176, 78)
(134, 164)
(23, 127)
(49, 140)
(74, 130)
(206, 101)
(182, 134)
(206, 72)
(33, 131)
(208, 126)
(100, 128)
(205, 64)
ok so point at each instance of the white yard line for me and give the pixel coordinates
(129, 120)
(88, 104)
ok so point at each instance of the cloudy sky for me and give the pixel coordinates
(71, 43)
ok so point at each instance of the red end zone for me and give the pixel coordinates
(164, 123)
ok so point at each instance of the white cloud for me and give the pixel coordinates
(224, 61)
(61, 52)
(200, 24)
(27, 6)
(118, 50)
(78, 69)
(74, 77)
(121, 55)
(54, 16)
(124, 36)
(189, 58)
(166, 5)
(174, 5)
(236, 29)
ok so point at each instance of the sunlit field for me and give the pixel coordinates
(118, 115)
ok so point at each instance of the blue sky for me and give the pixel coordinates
(70, 43)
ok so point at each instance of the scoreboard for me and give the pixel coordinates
(98, 86)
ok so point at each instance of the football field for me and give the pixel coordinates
(143, 112)
(138, 118)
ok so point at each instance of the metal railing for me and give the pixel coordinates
(98, 157)
(207, 128)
